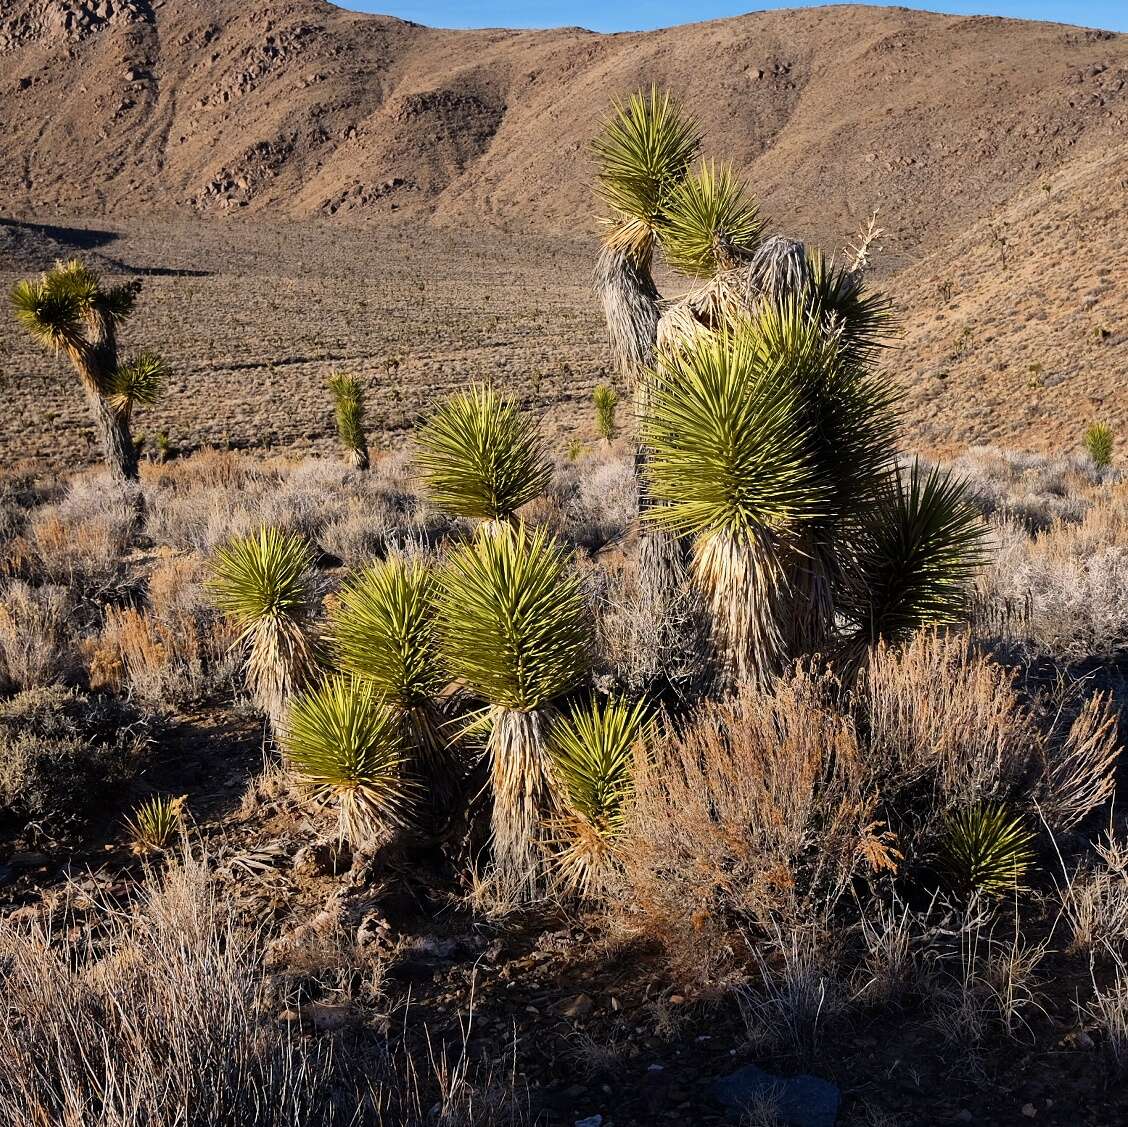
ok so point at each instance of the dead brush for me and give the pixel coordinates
(34, 634)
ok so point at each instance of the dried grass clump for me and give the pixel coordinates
(165, 1018)
(177, 650)
(34, 635)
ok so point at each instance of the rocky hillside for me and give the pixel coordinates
(297, 107)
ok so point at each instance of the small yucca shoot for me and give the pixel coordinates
(348, 401)
(348, 748)
(592, 751)
(984, 849)
(155, 822)
(481, 457)
(711, 223)
(513, 628)
(605, 399)
(266, 583)
(1099, 441)
(382, 631)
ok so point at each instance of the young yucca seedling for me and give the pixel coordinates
(348, 747)
(68, 310)
(605, 399)
(481, 457)
(592, 752)
(382, 631)
(348, 401)
(266, 583)
(984, 849)
(513, 628)
(711, 224)
(155, 822)
(1099, 441)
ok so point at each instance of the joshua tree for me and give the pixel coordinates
(382, 632)
(348, 748)
(592, 751)
(348, 400)
(514, 630)
(605, 400)
(267, 584)
(68, 310)
(481, 457)
(774, 448)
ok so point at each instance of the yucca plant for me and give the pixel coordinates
(382, 631)
(266, 583)
(711, 222)
(912, 557)
(1099, 441)
(592, 751)
(481, 457)
(69, 311)
(348, 748)
(984, 849)
(514, 630)
(605, 400)
(731, 461)
(156, 822)
(348, 402)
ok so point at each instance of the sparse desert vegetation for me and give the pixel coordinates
(493, 776)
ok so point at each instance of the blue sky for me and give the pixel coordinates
(634, 15)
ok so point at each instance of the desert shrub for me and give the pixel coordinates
(165, 1022)
(79, 543)
(34, 635)
(178, 649)
(62, 753)
(1059, 592)
(1095, 901)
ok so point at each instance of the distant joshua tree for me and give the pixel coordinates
(348, 399)
(68, 310)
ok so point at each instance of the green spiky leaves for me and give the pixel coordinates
(266, 583)
(605, 400)
(916, 552)
(140, 381)
(512, 620)
(382, 631)
(58, 308)
(712, 224)
(348, 748)
(644, 151)
(984, 849)
(348, 403)
(481, 457)
(1099, 441)
(725, 429)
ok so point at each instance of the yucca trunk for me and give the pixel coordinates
(520, 779)
(115, 437)
(746, 589)
(357, 457)
(279, 664)
(812, 571)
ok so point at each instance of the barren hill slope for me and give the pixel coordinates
(297, 107)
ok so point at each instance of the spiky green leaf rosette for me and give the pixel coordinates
(914, 556)
(984, 849)
(139, 381)
(382, 630)
(481, 457)
(592, 751)
(348, 402)
(266, 583)
(711, 222)
(605, 400)
(514, 630)
(730, 457)
(347, 746)
(643, 151)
